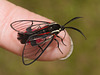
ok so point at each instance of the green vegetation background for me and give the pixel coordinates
(85, 59)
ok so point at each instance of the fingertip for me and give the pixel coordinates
(53, 52)
(70, 51)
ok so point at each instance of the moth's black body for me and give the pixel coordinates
(24, 36)
(37, 37)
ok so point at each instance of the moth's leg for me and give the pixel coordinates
(61, 40)
(58, 45)
(65, 34)
(39, 49)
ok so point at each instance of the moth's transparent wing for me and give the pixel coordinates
(32, 53)
(21, 25)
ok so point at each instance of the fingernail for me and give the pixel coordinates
(70, 52)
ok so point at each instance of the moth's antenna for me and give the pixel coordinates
(77, 30)
(72, 20)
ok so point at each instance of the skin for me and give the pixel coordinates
(8, 37)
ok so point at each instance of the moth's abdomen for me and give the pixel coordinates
(22, 37)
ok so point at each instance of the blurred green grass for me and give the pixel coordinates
(85, 58)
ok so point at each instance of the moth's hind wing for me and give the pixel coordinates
(31, 53)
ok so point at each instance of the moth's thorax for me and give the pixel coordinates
(56, 28)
